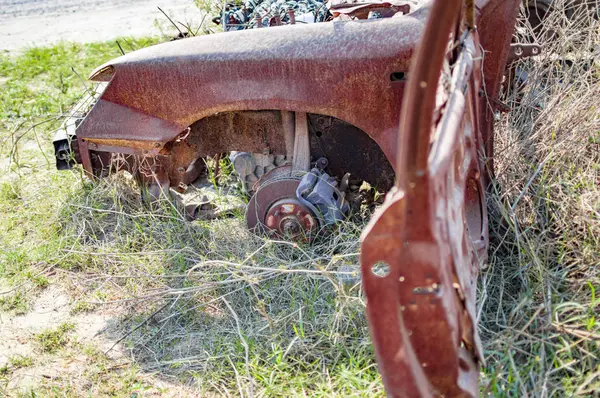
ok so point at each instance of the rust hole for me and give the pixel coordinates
(318, 133)
(398, 76)
(380, 269)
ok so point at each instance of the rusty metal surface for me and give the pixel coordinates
(362, 10)
(344, 69)
(340, 69)
(349, 150)
(290, 219)
(249, 131)
(496, 24)
(276, 207)
(520, 50)
(431, 234)
(110, 122)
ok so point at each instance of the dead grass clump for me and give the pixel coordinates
(216, 306)
(538, 297)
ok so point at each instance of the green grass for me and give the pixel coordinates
(20, 361)
(15, 302)
(14, 363)
(39, 84)
(52, 340)
(45, 81)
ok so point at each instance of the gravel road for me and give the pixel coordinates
(40, 22)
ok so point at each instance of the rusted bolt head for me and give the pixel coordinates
(157, 145)
(291, 226)
(181, 170)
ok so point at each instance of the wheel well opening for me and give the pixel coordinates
(347, 148)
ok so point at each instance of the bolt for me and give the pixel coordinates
(157, 145)
(181, 170)
(291, 227)
(322, 163)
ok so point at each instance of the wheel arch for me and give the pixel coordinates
(347, 147)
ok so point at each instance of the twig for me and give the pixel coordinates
(136, 328)
(170, 20)
(583, 334)
(120, 48)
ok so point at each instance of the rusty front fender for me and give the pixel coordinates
(347, 70)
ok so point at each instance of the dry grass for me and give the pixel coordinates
(538, 300)
(212, 303)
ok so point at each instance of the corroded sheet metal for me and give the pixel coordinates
(249, 131)
(431, 234)
(340, 69)
(496, 24)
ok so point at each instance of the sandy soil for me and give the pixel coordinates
(40, 22)
(49, 310)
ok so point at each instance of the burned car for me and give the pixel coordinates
(401, 95)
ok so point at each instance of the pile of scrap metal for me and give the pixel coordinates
(344, 10)
(404, 103)
(264, 13)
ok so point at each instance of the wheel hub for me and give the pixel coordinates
(276, 208)
(296, 206)
(290, 218)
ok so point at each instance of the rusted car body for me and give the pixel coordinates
(405, 103)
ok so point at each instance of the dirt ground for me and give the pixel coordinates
(41, 22)
(50, 309)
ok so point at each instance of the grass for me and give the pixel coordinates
(207, 308)
(274, 330)
(45, 81)
(538, 297)
(52, 340)
(15, 302)
(16, 362)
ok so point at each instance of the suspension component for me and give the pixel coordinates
(295, 206)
